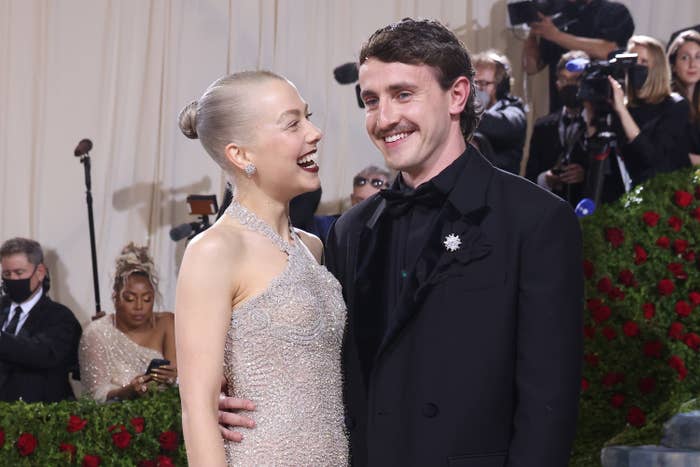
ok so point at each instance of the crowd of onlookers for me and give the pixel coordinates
(611, 126)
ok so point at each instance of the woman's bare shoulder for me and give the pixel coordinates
(312, 242)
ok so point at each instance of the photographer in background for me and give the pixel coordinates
(653, 124)
(598, 27)
(558, 159)
(503, 123)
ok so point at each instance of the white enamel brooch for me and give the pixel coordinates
(452, 242)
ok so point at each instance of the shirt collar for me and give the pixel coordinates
(29, 303)
(443, 182)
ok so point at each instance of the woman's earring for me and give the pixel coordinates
(250, 169)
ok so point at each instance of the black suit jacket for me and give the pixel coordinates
(482, 366)
(34, 364)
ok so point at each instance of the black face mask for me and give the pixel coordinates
(637, 76)
(568, 95)
(18, 290)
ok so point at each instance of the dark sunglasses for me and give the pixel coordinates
(362, 181)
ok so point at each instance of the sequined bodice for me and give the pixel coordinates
(283, 353)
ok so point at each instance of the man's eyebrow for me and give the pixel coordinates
(392, 88)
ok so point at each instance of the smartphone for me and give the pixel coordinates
(522, 12)
(155, 363)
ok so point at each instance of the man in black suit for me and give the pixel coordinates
(463, 339)
(39, 338)
(557, 158)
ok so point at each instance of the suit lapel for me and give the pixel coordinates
(33, 317)
(461, 214)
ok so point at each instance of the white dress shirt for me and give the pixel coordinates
(27, 306)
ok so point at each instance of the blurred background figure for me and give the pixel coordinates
(557, 159)
(39, 338)
(367, 182)
(684, 57)
(116, 351)
(503, 122)
(598, 27)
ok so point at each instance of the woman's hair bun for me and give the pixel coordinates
(187, 119)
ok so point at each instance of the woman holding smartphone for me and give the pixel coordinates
(121, 353)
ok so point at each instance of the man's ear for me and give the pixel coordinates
(459, 94)
(237, 156)
(41, 271)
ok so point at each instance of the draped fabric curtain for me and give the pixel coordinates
(119, 71)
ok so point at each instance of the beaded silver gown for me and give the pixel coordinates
(283, 353)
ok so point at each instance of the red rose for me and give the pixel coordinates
(584, 385)
(695, 213)
(611, 379)
(666, 287)
(121, 438)
(692, 340)
(602, 313)
(2, 437)
(683, 308)
(138, 424)
(679, 245)
(635, 416)
(168, 440)
(26, 444)
(617, 400)
(678, 271)
(675, 331)
(646, 385)
(663, 242)
(91, 461)
(640, 255)
(689, 256)
(609, 333)
(165, 461)
(694, 298)
(649, 310)
(630, 328)
(588, 269)
(588, 333)
(615, 236)
(605, 285)
(69, 448)
(146, 463)
(682, 198)
(652, 349)
(591, 359)
(651, 218)
(678, 364)
(626, 277)
(75, 423)
(616, 294)
(675, 223)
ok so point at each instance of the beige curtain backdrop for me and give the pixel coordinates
(118, 72)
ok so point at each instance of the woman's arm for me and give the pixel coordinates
(628, 124)
(202, 316)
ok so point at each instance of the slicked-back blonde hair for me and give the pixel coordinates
(224, 113)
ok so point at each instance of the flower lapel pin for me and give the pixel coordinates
(452, 242)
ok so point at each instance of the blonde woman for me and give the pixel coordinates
(653, 136)
(253, 303)
(117, 349)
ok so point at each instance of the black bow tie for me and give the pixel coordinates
(399, 202)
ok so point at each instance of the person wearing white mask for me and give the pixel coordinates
(503, 123)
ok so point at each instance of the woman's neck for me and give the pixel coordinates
(273, 212)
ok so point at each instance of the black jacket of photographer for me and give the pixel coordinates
(34, 364)
(546, 150)
(663, 142)
(504, 125)
(599, 19)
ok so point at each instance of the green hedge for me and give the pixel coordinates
(642, 314)
(143, 432)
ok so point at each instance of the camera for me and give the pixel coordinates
(595, 86)
(526, 11)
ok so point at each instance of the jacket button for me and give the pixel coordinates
(350, 422)
(430, 410)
